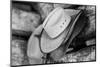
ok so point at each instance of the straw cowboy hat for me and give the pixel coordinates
(56, 27)
(55, 30)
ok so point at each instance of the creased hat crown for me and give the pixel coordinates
(56, 22)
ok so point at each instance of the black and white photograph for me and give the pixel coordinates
(52, 33)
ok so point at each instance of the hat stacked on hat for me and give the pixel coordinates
(58, 27)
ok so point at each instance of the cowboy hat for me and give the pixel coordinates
(56, 27)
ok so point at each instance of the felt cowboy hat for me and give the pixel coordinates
(56, 28)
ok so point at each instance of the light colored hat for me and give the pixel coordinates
(56, 27)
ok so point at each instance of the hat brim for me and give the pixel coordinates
(49, 44)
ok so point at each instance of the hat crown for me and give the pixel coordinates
(56, 22)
